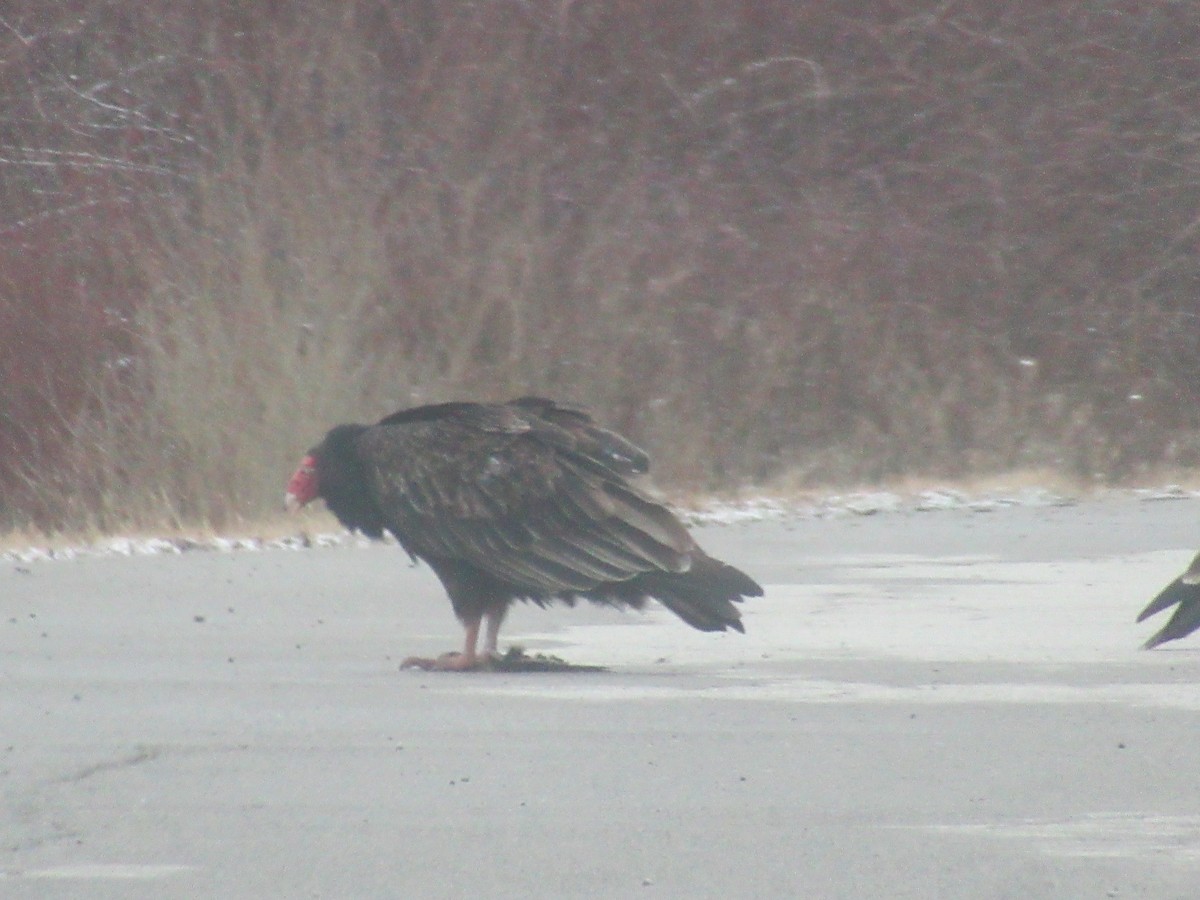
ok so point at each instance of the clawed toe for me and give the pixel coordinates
(449, 662)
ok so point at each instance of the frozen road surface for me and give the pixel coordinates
(945, 704)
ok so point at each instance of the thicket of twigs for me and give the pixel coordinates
(833, 242)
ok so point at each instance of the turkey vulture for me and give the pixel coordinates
(525, 500)
(1184, 590)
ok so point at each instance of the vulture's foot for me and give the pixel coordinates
(454, 661)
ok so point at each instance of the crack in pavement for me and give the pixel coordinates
(141, 755)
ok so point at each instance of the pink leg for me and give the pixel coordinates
(494, 617)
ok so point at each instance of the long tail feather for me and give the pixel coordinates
(704, 595)
(1186, 618)
(1184, 591)
(1175, 592)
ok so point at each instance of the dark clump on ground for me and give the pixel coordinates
(517, 660)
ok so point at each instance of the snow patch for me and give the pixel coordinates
(156, 546)
(716, 512)
(1101, 835)
(869, 503)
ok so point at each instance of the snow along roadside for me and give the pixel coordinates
(715, 512)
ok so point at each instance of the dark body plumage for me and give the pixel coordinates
(1184, 591)
(524, 500)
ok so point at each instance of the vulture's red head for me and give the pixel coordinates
(303, 486)
(333, 470)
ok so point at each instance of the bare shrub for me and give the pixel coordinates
(820, 243)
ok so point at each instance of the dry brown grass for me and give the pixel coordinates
(776, 244)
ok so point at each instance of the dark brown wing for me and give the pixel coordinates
(583, 435)
(537, 503)
(1184, 591)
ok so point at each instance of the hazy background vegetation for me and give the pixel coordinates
(775, 242)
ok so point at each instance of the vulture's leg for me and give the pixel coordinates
(494, 616)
